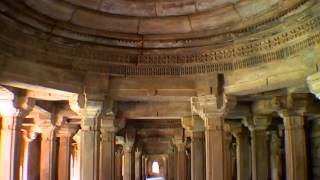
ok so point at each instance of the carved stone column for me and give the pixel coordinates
(89, 143)
(228, 155)
(118, 163)
(295, 144)
(32, 158)
(275, 156)
(12, 111)
(215, 145)
(65, 134)
(212, 110)
(243, 151)
(48, 155)
(259, 146)
(181, 159)
(171, 163)
(195, 127)
(138, 164)
(128, 170)
(107, 154)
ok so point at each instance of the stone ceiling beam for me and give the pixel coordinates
(156, 110)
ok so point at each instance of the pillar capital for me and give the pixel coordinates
(257, 122)
(29, 136)
(193, 123)
(235, 128)
(67, 130)
(210, 106)
(313, 82)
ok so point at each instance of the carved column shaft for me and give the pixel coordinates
(198, 156)
(228, 155)
(89, 154)
(118, 165)
(214, 135)
(48, 157)
(181, 161)
(243, 155)
(31, 158)
(128, 164)
(295, 144)
(275, 156)
(107, 155)
(65, 134)
(138, 165)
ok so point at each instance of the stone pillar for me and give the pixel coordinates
(215, 145)
(89, 153)
(171, 163)
(138, 164)
(128, 171)
(65, 134)
(198, 156)
(295, 144)
(32, 158)
(118, 164)
(48, 155)
(275, 156)
(242, 151)
(76, 171)
(107, 154)
(181, 160)
(143, 176)
(259, 146)
(12, 111)
(228, 155)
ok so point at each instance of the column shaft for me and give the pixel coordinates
(31, 160)
(107, 156)
(138, 165)
(89, 154)
(214, 136)
(181, 162)
(48, 156)
(197, 156)
(295, 144)
(259, 145)
(228, 155)
(243, 156)
(64, 156)
(10, 148)
(118, 165)
(127, 165)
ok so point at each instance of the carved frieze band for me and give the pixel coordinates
(232, 58)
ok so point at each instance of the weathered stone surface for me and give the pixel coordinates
(108, 23)
(55, 9)
(128, 7)
(165, 25)
(93, 4)
(173, 8)
(215, 19)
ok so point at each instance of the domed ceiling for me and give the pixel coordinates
(156, 37)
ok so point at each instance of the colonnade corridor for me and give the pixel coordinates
(270, 138)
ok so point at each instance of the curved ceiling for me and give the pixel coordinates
(156, 37)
